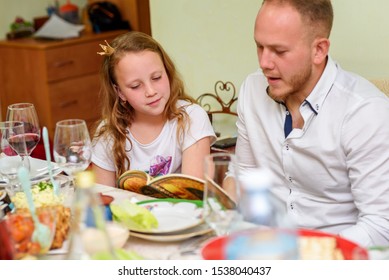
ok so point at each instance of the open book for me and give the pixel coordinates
(170, 186)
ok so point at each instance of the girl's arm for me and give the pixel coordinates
(193, 158)
(104, 176)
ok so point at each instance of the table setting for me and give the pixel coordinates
(196, 242)
(53, 209)
(39, 170)
(35, 196)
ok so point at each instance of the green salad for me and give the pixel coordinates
(133, 215)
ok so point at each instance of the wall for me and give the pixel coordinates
(212, 40)
(27, 9)
(360, 37)
(208, 40)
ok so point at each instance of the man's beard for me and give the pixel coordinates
(294, 86)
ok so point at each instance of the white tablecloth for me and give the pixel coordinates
(152, 250)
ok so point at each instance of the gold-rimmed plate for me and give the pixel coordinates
(173, 215)
(177, 236)
(38, 169)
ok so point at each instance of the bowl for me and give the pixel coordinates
(63, 181)
(95, 241)
(43, 194)
(66, 188)
(20, 226)
(118, 234)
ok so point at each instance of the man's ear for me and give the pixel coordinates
(320, 50)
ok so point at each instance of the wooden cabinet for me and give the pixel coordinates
(61, 78)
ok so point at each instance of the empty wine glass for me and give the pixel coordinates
(219, 213)
(12, 147)
(26, 113)
(72, 146)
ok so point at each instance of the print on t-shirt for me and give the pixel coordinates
(160, 166)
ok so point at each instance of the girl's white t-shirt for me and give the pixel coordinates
(164, 154)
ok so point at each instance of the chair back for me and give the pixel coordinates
(220, 102)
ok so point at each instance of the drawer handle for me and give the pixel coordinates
(68, 103)
(60, 64)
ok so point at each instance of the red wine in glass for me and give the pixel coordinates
(20, 142)
(26, 113)
(30, 140)
(14, 131)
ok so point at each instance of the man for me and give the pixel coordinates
(322, 131)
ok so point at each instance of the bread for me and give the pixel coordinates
(62, 226)
(319, 248)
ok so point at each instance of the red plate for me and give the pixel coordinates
(214, 249)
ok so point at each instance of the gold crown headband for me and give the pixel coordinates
(107, 49)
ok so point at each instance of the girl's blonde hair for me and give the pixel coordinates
(116, 115)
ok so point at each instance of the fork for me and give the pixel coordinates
(48, 159)
(45, 172)
(190, 246)
(41, 233)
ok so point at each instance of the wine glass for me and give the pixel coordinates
(26, 113)
(72, 146)
(12, 147)
(219, 174)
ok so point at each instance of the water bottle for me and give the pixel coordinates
(275, 236)
(88, 233)
(255, 202)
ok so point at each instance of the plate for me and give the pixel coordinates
(215, 248)
(38, 169)
(177, 236)
(173, 214)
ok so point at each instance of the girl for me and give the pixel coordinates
(148, 121)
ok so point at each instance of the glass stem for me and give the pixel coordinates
(26, 162)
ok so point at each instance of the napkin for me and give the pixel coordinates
(57, 28)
